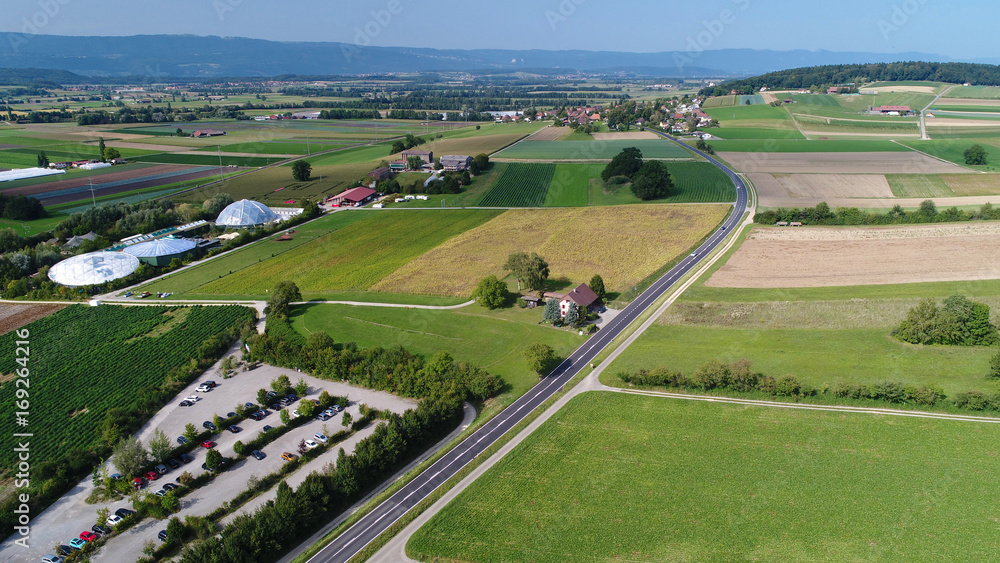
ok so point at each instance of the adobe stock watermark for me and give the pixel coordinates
(900, 16)
(34, 24)
(365, 34)
(563, 11)
(223, 7)
(712, 30)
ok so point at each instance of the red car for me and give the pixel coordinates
(88, 536)
(208, 444)
(152, 475)
(137, 483)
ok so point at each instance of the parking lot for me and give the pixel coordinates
(71, 515)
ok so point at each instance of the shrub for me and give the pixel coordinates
(787, 386)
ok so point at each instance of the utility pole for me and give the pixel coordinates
(92, 196)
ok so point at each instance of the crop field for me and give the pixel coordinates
(665, 480)
(355, 257)
(577, 184)
(520, 185)
(625, 244)
(487, 144)
(590, 150)
(973, 184)
(774, 257)
(919, 185)
(206, 160)
(15, 316)
(88, 360)
(719, 101)
(752, 112)
(908, 162)
(492, 340)
(797, 145)
(952, 151)
(975, 92)
(732, 133)
(281, 147)
(275, 185)
(805, 190)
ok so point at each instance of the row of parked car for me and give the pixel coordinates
(86, 537)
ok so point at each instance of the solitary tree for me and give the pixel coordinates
(397, 147)
(112, 153)
(479, 163)
(43, 160)
(283, 294)
(597, 285)
(625, 163)
(541, 358)
(213, 459)
(129, 456)
(301, 171)
(491, 293)
(159, 445)
(975, 155)
(531, 270)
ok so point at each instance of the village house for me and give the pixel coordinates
(582, 295)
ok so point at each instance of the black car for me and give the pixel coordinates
(248, 405)
(271, 394)
(257, 416)
(171, 487)
(173, 463)
(265, 412)
(234, 429)
(186, 458)
(162, 535)
(230, 415)
(103, 530)
(124, 513)
(185, 403)
(182, 440)
(257, 454)
(208, 424)
(63, 550)
(205, 467)
(210, 383)
(267, 428)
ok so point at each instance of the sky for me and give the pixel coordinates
(957, 29)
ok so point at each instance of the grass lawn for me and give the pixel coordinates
(953, 151)
(615, 477)
(591, 150)
(355, 257)
(469, 197)
(493, 340)
(729, 133)
(570, 185)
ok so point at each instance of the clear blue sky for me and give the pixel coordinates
(960, 29)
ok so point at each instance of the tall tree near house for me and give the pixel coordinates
(531, 270)
(551, 313)
(414, 162)
(100, 147)
(43, 160)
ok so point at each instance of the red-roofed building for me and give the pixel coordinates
(582, 295)
(892, 110)
(355, 197)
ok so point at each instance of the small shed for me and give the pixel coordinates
(533, 301)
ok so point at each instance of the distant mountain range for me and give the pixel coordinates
(190, 56)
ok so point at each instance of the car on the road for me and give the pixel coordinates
(51, 559)
(113, 520)
(187, 458)
(267, 428)
(234, 429)
(88, 536)
(161, 469)
(321, 438)
(207, 444)
(77, 543)
(182, 440)
(695, 253)
(208, 425)
(152, 475)
(173, 463)
(98, 529)
(288, 456)
(162, 534)
(258, 455)
(310, 444)
(124, 512)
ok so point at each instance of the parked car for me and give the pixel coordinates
(161, 492)
(324, 416)
(207, 468)
(208, 444)
(64, 550)
(162, 535)
(187, 458)
(113, 520)
(182, 440)
(265, 412)
(267, 428)
(103, 530)
(208, 425)
(258, 455)
(171, 487)
(288, 456)
(231, 414)
(161, 469)
(173, 463)
(116, 476)
(211, 383)
(49, 558)
(271, 394)
(336, 408)
(193, 398)
(124, 513)
(248, 405)
(234, 429)
(321, 438)
(137, 483)
(128, 294)
(151, 475)
(185, 403)
(88, 536)
(257, 416)
(310, 444)
(77, 543)
(203, 388)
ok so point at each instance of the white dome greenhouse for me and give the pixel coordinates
(246, 213)
(161, 251)
(93, 268)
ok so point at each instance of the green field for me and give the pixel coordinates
(520, 185)
(577, 184)
(281, 147)
(492, 340)
(570, 185)
(206, 160)
(918, 185)
(818, 100)
(953, 150)
(352, 258)
(613, 477)
(791, 145)
(590, 150)
(751, 112)
(755, 133)
(975, 92)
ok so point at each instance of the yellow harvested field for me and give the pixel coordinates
(899, 88)
(551, 133)
(840, 163)
(973, 184)
(471, 145)
(624, 244)
(786, 257)
(625, 136)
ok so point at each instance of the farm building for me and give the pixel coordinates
(382, 173)
(208, 133)
(93, 268)
(355, 197)
(306, 115)
(397, 165)
(77, 240)
(582, 295)
(426, 156)
(246, 213)
(892, 110)
(25, 173)
(162, 251)
(455, 162)
(95, 165)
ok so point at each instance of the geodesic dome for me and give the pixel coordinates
(160, 247)
(246, 213)
(93, 268)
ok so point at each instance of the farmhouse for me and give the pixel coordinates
(354, 197)
(582, 295)
(891, 110)
(382, 173)
(426, 156)
(456, 162)
(208, 133)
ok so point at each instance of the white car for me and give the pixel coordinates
(203, 388)
(113, 519)
(321, 437)
(193, 398)
(310, 444)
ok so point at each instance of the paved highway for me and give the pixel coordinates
(365, 530)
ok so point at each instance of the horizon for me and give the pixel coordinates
(883, 27)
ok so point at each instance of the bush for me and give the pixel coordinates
(787, 386)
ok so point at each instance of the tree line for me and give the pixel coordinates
(928, 212)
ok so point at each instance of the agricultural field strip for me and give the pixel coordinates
(520, 185)
(126, 182)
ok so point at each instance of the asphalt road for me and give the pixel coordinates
(365, 530)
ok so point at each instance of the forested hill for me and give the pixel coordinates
(817, 77)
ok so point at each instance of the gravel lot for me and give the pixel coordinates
(70, 515)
